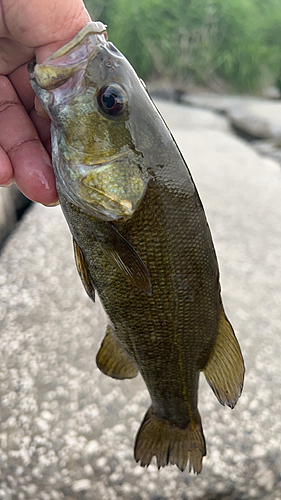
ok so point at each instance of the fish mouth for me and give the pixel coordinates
(61, 66)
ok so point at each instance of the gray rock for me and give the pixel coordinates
(267, 110)
(66, 430)
(258, 118)
(268, 148)
(271, 92)
(185, 117)
(215, 102)
(251, 125)
(8, 216)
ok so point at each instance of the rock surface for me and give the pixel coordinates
(257, 117)
(66, 430)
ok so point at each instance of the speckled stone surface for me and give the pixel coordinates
(66, 430)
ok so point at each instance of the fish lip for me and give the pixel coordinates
(92, 28)
(68, 59)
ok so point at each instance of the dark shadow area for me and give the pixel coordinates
(13, 205)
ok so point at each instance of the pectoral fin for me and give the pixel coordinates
(225, 369)
(125, 258)
(112, 360)
(83, 271)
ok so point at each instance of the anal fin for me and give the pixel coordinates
(225, 369)
(112, 360)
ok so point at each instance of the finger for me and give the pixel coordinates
(6, 170)
(12, 55)
(35, 177)
(42, 125)
(39, 108)
(37, 24)
(31, 163)
(20, 81)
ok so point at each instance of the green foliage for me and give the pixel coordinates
(236, 40)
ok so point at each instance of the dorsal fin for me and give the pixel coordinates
(225, 369)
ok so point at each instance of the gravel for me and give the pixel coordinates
(66, 430)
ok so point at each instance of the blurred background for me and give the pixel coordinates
(233, 45)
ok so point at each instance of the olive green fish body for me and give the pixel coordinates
(169, 334)
(142, 241)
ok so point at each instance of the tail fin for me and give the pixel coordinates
(170, 444)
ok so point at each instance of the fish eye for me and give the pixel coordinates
(112, 99)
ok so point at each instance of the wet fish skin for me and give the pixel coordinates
(141, 239)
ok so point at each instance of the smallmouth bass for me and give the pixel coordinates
(141, 240)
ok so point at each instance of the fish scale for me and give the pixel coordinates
(130, 313)
(141, 240)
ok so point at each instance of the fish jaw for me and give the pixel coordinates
(67, 60)
(105, 179)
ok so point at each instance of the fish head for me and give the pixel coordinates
(94, 100)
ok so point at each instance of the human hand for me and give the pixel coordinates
(28, 29)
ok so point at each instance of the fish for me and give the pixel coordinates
(141, 241)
